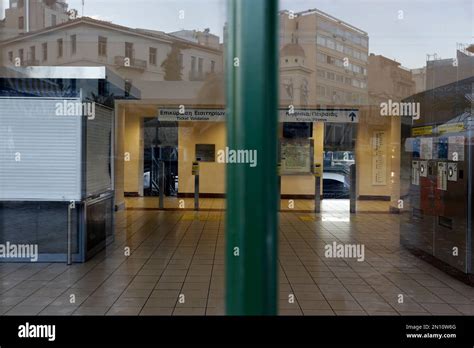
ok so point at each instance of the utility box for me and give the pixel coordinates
(56, 161)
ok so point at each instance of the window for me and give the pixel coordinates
(330, 75)
(10, 56)
(53, 20)
(339, 47)
(213, 66)
(330, 60)
(102, 46)
(44, 48)
(320, 40)
(60, 47)
(193, 64)
(129, 50)
(321, 73)
(20, 55)
(200, 66)
(152, 56)
(330, 44)
(73, 44)
(21, 22)
(181, 60)
(320, 57)
(321, 91)
(347, 80)
(32, 53)
(340, 78)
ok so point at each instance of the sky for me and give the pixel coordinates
(404, 30)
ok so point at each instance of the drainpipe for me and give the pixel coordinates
(252, 192)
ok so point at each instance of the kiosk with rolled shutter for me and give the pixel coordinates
(56, 160)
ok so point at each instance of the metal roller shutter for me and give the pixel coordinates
(40, 152)
(99, 147)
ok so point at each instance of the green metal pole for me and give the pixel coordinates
(252, 192)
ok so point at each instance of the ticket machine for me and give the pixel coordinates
(438, 157)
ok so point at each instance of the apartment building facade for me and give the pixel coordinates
(336, 51)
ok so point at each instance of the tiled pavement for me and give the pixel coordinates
(177, 253)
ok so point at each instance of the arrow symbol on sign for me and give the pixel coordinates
(352, 116)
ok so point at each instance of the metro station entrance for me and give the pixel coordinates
(165, 151)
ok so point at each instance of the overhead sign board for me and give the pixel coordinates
(285, 115)
(451, 128)
(320, 115)
(209, 115)
(425, 130)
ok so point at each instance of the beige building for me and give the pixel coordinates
(419, 77)
(336, 51)
(23, 16)
(134, 54)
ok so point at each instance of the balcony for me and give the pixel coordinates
(138, 64)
